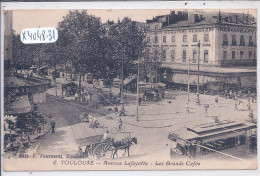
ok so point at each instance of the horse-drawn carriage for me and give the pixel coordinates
(108, 149)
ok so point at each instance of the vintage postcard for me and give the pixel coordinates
(162, 89)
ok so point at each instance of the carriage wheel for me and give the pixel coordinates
(102, 151)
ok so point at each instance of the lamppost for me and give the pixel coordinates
(189, 80)
(122, 85)
(137, 92)
(198, 83)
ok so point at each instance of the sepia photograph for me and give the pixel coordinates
(130, 89)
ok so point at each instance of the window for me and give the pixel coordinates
(156, 39)
(184, 38)
(172, 55)
(156, 26)
(148, 27)
(148, 39)
(195, 38)
(173, 38)
(250, 54)
(251, 43)
(233, 54)
(225, 40)
(164, 54)
(234, 41)
(242, 40)
(194, 56)
(225, 55)
(164, 39)
(241, 55)
(156, 55)
(206, 37)
(184, 56)
(206, 56)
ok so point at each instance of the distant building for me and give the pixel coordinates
(217, 39)
(21, 91)
(8, 48)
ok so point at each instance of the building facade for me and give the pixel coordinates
(215, 39)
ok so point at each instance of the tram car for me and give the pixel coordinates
(203, 139)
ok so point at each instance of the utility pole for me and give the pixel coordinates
(198, 83)
(189, 80)
(137, 91)
(156, 67)
(122, 84)
(56, 92)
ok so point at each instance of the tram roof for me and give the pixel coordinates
(208, 130)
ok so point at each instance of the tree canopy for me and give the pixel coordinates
(90, 46)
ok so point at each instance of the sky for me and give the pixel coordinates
(49, 18)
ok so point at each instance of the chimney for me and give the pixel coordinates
(172, 12)
(219, 17)
(191, 17)
(247, 20)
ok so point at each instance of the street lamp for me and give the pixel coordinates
(122, 85)
(198, 83)
(137, 92)
(189, 80)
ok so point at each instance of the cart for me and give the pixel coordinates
(99, 150)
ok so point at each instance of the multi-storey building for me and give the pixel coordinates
(214, 39)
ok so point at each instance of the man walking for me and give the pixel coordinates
(53, 126)
(216, 101)
(76, 96)
(206, 109)
(187, 108)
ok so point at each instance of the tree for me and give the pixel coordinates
(82, 41)
(23, 54)
(128, 43)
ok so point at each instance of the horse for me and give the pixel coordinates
(123, 144)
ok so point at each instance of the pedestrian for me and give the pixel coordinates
(139, 100)
(53, 124)
(206, 109)
(251, 115)
(106, 136)
(121, 110)
(84, 99)
(230, 94)
(187, 108)
(80, 152)
(76, 96)
(116, 110)
(248, 104)
(120, 124)
(236, 107)
(216, 99)
(226, 93)
(88, 99)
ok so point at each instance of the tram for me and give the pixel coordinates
(202, 139)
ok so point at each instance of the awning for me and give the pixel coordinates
(20, 105)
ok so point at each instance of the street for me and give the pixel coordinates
(156, 120)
